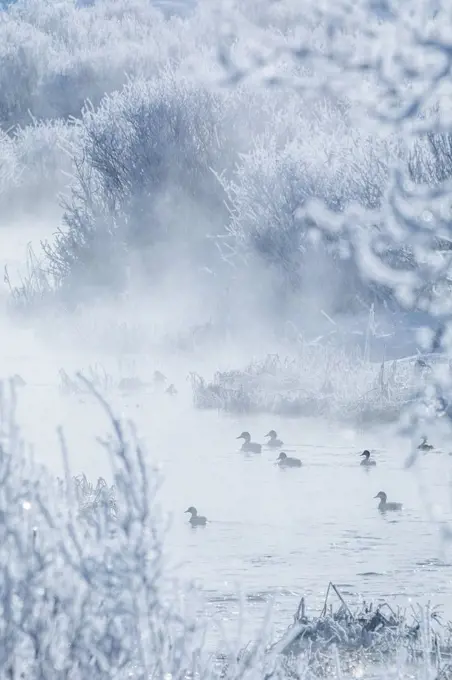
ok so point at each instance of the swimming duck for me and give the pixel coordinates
(248, 445)
(273, 442)
(284, 461)
(384, 505)
(367, 459)
(195, 519)
(423, 446)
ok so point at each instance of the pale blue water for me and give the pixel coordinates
(274, 535)
(284, 534)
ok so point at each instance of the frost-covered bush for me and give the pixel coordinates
(159, 160)
(54, 56)
(24, 50)
(271, 183)
(174, 178)
(37, 164)
(144, 191)
(320, 382)
(9, 170)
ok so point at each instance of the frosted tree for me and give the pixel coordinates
(388, 65)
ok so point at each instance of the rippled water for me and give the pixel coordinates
(275, 535)
(282, 534)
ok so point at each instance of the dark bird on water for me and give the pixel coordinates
(274, 442)
(284, 461)
(248, 445)
(368, 462)
(423, 446)
(383, 505)
(195, 519)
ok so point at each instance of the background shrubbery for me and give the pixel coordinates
(141, 176)
(146, 175)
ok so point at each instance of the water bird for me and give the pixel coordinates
(423, 446)
(274, 442)
(283, 460)
(248, 445)
(384, 505)
(195, 519)
(368, 462)
(171, 390)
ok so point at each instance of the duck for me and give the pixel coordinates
(284, 461)
(423, 446)
(248, 445)
(384, 505)
(274, 442)
(195, 519)
(367, 459)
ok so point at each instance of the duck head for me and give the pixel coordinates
(382, 496)
(192, 511)
(271, 434)
(365, 453)
(245, 435)
(282, 456)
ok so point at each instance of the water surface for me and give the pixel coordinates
(274, 535)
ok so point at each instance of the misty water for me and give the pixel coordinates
(273, 535)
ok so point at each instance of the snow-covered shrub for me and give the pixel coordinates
(54, 56)
(144, 190)
(92, 498)
(274, 180)
(158, 161)
(319, 381)
(35, 288)
(431, 159)
(37, 158)
(24, 50)
(154, 170)
(9, 169)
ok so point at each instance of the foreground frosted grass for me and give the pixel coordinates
(83, 593)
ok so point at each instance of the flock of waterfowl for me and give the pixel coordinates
(285, 461)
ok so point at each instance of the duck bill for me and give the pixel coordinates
(239, 437)
(267, 435)
(377, 496)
